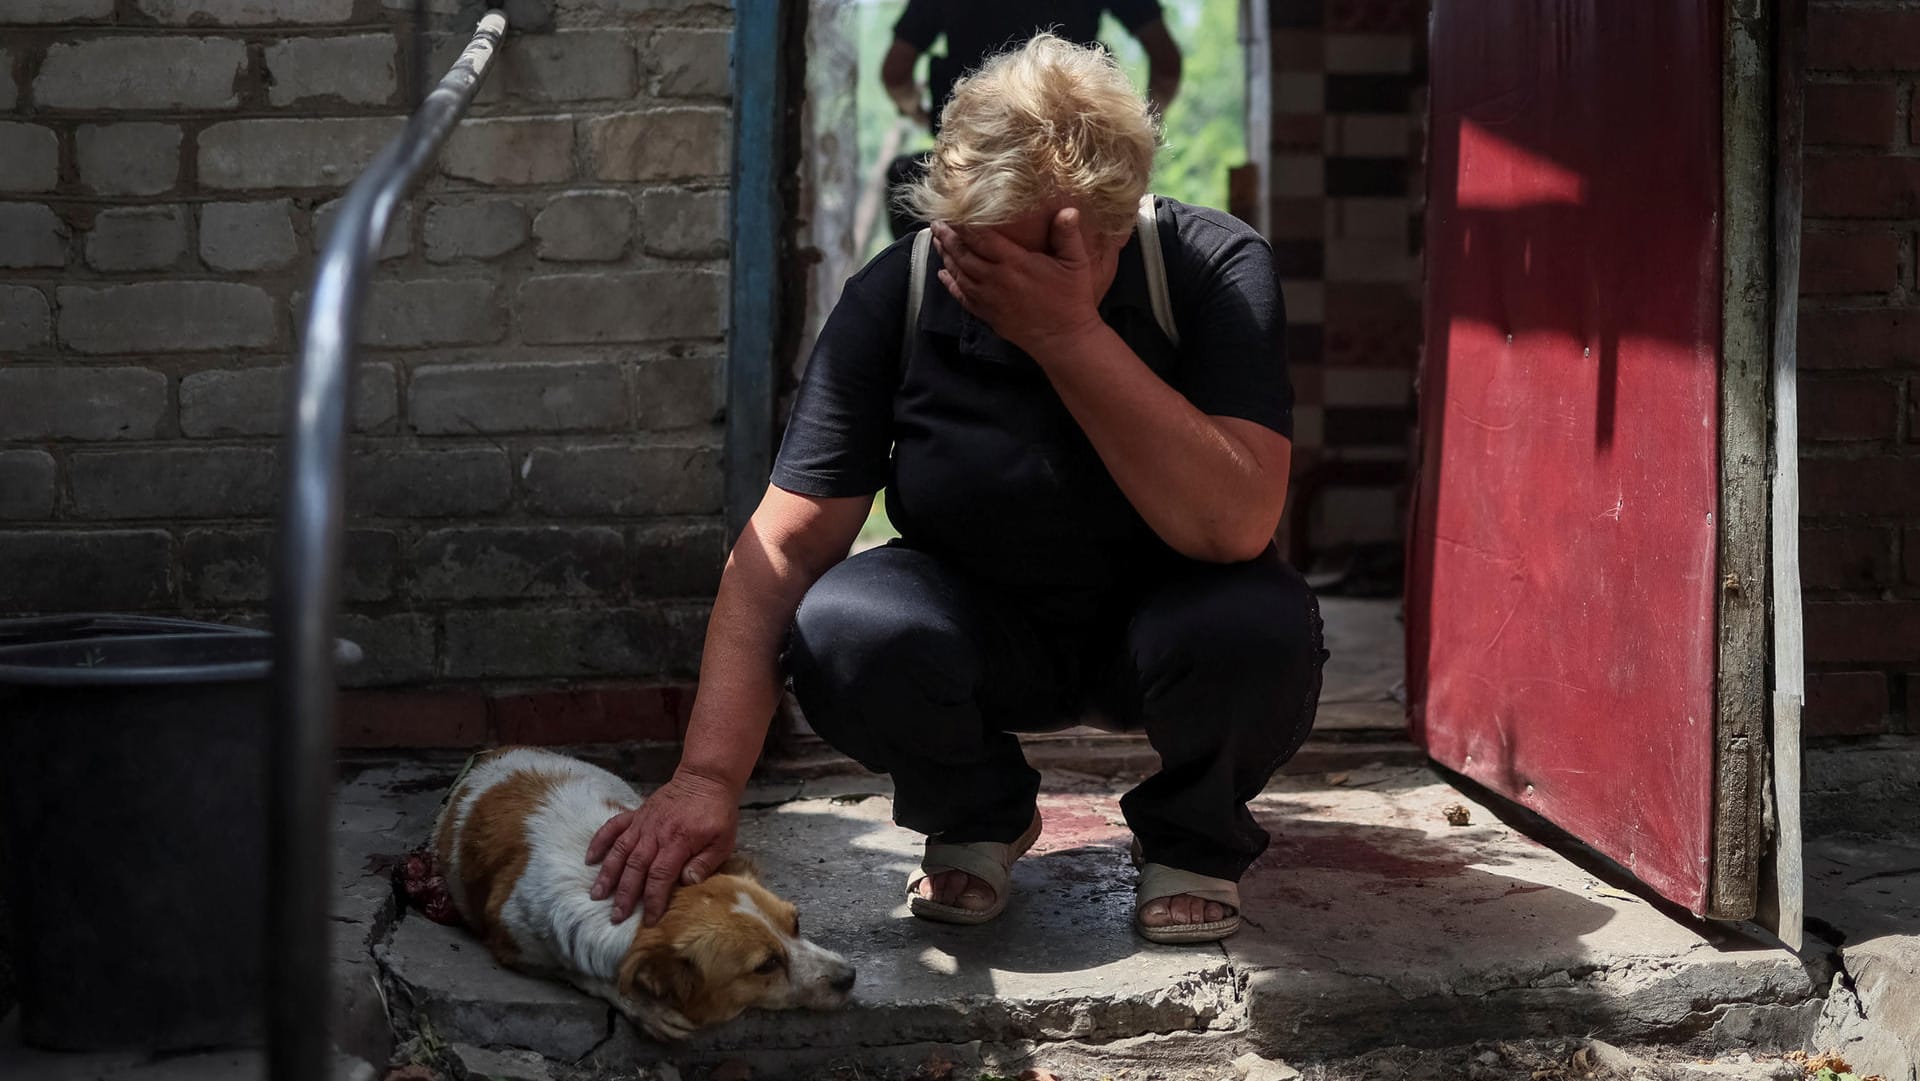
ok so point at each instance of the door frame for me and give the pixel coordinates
(1761, 674)
(756, 233)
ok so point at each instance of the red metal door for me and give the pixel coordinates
(1561, 601)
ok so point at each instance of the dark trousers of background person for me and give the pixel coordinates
(901, 171)
(905, 666)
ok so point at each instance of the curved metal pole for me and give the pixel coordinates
(306, 587)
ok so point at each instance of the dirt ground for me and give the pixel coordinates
(1561, 1059)
(1534, 1060)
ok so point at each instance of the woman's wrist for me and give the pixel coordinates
(1068, 343)
(709, 778)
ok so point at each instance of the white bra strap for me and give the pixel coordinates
(1147, 225)
(916, 288)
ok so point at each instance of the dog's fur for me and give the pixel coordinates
(512, 840)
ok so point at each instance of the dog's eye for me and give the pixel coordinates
(769, 966)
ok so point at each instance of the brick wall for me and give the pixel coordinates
(535, 484)
(1860, 369)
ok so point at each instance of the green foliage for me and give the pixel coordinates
(876, 529)
(1206, 129)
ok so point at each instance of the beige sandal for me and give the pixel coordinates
(1159, 882)
(988, 861)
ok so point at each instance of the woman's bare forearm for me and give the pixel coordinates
(1197, 480)
(788, 544)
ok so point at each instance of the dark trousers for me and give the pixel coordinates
(902, 171)
(904, 665)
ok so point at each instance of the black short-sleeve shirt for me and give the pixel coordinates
(982, 462)
(977, 29)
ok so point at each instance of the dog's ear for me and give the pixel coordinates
(740, 866)
(654, 968)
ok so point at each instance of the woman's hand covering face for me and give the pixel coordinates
(1035, 281)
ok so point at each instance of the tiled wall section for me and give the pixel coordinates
(535, 480)
(1344, 213)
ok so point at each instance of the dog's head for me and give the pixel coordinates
(727, 945)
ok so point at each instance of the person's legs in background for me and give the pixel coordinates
(904, 170)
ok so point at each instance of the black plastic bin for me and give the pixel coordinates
(133, 819)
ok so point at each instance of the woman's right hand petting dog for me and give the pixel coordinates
(686, 828)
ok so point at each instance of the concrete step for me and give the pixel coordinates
(1371, 922)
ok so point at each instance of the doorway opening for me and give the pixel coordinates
(1309, 135)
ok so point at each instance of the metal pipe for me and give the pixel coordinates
(306, 590)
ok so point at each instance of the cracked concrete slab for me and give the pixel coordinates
(378, 814)
(1375, 920)
(1371, 922)
(1865, 891)
(1364, 677)
(1060, 965)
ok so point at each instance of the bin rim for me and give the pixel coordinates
(65, 626)
(24, 666)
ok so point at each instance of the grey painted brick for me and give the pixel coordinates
(29, 157)
(451, 311)
(82, 403)
(440, 483)
(481, 229)
(678, 560)
(164, 317)
(56, 11)
(173, 482)
(577, 12)
(578, 65)
(246, 12)
(285, 153)
(9, 89)
(128, 159)
(397, 242)
(623, 481)
(662, 144)
(26, 484)
(32, 235)
(26, 320)
(398, 649)
(362, 69)
(462, 399)
(137, 238)
(517, 563)
(692, 63)
(253, 401)
(684, 224)
(247, 236)
(569, 642)
(78, 572)
(232, 566)
(563, 67)
(144, 72)
(585, 226)
(511, 151)
(677, 392)
(648, 305)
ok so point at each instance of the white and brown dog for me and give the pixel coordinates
(512, 842)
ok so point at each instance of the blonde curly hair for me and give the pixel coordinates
(1050, 119)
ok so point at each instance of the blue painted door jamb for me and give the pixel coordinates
(754, 266)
